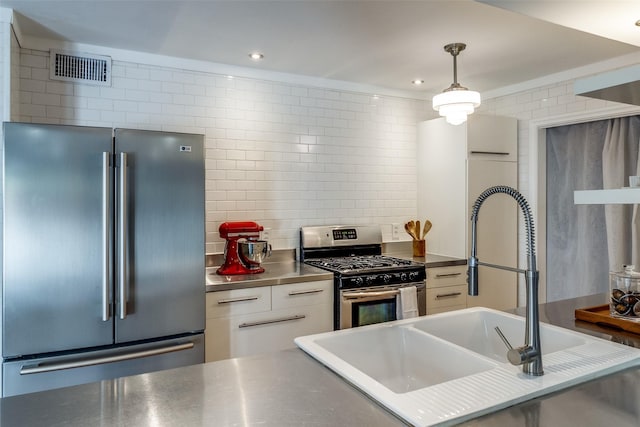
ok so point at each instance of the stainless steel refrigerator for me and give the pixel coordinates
(103, 254)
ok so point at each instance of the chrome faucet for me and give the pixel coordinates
(529, 355)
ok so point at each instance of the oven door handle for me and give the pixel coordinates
(369, 294)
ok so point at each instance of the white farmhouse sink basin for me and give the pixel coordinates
(475, 330)
(395, 357)
(451, 367)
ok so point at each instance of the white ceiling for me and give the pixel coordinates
(385, 44)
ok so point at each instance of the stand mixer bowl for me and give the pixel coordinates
(253, 252)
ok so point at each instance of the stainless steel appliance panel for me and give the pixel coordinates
(28, 376)
(55, 257)
(160, 238)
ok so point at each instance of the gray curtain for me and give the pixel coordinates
(577, 250)
(619, 160)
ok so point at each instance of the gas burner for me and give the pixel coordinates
(359, 264)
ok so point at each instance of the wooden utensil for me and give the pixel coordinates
(409, 231)
(412, 227)
(427, 227)
(417, 230)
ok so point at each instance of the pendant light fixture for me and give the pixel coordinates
(456, 102)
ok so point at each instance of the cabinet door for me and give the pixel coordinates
(239, 336)
(442, 178)
(492, 138)
(497, 233)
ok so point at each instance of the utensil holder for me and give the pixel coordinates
(419, 248)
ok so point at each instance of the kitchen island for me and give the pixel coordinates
(290, 388)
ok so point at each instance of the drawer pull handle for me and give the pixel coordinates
(495, 153)
(310, 291)
(452, 294)
(239, 299)
(448, 275)
(267, 322)
(369, 294)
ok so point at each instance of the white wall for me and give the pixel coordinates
(280, 154)
(283, 154)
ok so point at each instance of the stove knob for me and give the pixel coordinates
(403, 277)
(358, 281)
(370, 280)
(386, 278)
(413, 275)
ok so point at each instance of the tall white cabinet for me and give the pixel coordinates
(455, 165)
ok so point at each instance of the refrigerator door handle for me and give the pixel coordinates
(106, 234)
(123, 265)
(37, 369)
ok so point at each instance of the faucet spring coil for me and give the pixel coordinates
(524, 206)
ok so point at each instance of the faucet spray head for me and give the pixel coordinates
(472, 276)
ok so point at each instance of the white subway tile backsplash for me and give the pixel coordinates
(73, 101)
(34, 59)
(112, 93)
(134, 73)
(30, 85)
(45, 99)
(283, 155)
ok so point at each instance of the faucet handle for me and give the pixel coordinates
(503, 338)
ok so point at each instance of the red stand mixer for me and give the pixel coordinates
(244, 251)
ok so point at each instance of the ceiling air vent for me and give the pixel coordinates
(80, 68)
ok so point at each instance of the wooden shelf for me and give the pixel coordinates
(629, 196)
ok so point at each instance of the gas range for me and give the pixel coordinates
(366, 283)
(370, 270)
(360, 264)
(354, 255)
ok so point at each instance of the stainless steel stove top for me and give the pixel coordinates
(360, 264)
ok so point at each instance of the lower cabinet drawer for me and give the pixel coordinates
(446, 296)
(302, 294)
(446, 276)
(238, 301)
(238, 336)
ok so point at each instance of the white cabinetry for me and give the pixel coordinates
(446, 288)
(455, 165)
(244, 322)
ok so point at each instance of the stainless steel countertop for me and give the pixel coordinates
(290, 271)
(433, 260)
(288, 388)
(277, 273)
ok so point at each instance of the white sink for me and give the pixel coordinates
(451, 367)
(398, 361)
(475, 330)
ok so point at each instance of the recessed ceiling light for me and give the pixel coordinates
(417, 82)
(638, 23)
(256, 56)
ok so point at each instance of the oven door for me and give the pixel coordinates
(366, 306)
